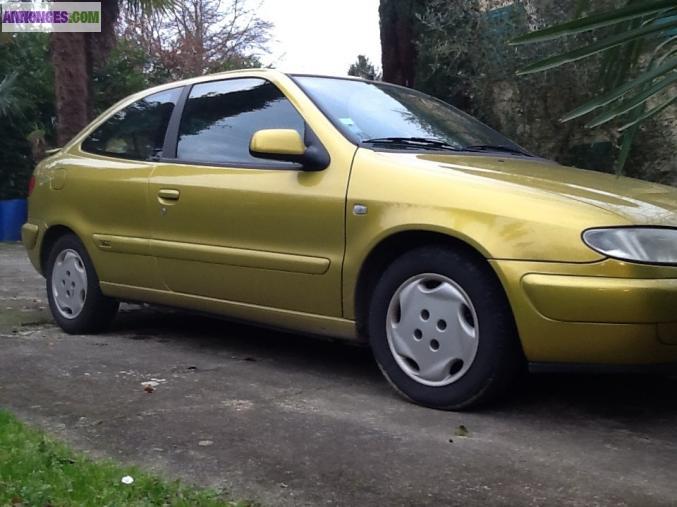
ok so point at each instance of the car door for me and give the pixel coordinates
(230, 226)
(108, 183)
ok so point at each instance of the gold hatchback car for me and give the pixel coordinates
(359, 210)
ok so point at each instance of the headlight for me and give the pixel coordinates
(653, 245)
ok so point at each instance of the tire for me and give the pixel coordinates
(464, 349)
(73, 291)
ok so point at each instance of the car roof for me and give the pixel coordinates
(259, 72)
(272, 74)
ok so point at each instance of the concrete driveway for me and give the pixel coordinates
(286, 420)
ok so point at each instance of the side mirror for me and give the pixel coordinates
(288, 146)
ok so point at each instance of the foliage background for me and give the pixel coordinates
(464, 57)
(32, 97)
(186, 38)
(461, 55)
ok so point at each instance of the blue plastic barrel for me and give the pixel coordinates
(13, 214)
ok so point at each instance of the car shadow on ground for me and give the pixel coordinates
(622, 397)
(315, 354)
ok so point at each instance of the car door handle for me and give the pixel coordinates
(168, 194)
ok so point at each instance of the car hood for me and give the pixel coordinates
(639, 202)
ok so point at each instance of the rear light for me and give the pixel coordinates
(31, 185)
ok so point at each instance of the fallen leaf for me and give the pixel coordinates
(149, 389)
(462, 431)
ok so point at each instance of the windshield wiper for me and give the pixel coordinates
(497, 147)
(417, 142)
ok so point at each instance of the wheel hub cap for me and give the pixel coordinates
(432, 329)
(69, 283)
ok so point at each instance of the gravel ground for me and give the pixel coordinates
(287, 420)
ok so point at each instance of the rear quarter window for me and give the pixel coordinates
(136, 132)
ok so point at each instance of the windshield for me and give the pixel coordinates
(379, 113)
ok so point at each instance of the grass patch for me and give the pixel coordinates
(37, 471)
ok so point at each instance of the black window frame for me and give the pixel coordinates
(129, 158)
(170, 145)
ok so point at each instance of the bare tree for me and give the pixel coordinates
(196, 37)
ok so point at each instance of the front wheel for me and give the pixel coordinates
(73, 291)
(441, 329)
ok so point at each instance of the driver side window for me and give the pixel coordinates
(221, 117)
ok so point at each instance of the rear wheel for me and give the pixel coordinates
(441, 329)
(73, 291)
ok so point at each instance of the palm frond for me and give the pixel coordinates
(619, 62)
(598, 47)
(633, 102)
(630, 82)
(649, 114)
(620, 91)
(668, 53)
(148, 7)
(595, 21)
(626, 146)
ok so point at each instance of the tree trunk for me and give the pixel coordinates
(398, 48)
(69, 55)
(102, 43)
(74, 56)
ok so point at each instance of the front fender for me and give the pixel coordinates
(499, 220)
